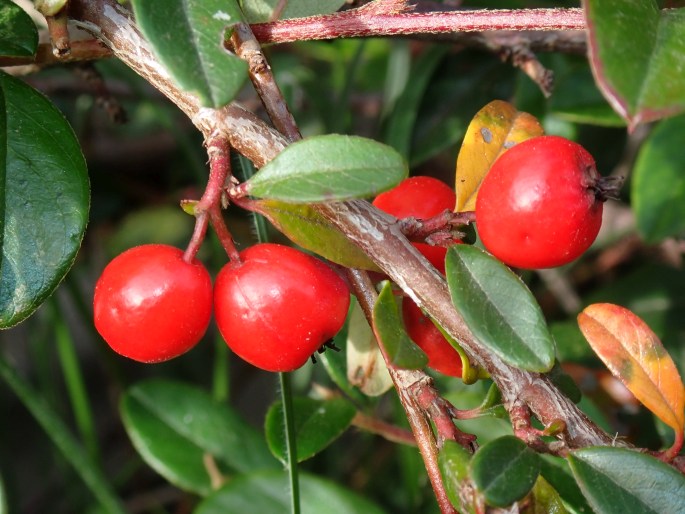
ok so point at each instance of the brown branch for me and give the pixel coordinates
(247, 48)
(85, 50)
(358, 220)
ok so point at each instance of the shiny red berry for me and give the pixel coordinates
(278, 306)
(442, 356)
(421, 197)
(540, 205)
(150, 305)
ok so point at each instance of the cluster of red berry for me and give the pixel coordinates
(540, 205)
(274, 308)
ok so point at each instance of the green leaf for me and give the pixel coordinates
(18, 33)
(331, 167)
(258, 11)
(174, 425)
(305, 227)
(499, 309)
(317, 424)
(188, 38)
(658, 184)
(44, 199)
(505, 470)
(642, 76)
(453, 461)
(266, 493)
(618, 480)
(390, 332)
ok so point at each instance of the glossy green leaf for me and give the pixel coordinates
(658, 183)
(453, 461)
(175, 425)
(331, 167)
(188, 38)
(505, 470)
(258, 11)
(266, 493)
(642, 76)
(18, 33)
(389, 329)
(307, 228)
(317, 424)
(3, 497)
(44, 199)
(499, 309)
(618, 480)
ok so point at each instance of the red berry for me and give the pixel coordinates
(278, 306)
(421, 197)
(150, 305)
(540, 205)
(442, 356)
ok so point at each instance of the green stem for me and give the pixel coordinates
(76, 389)
(62, 438)
(290, 441)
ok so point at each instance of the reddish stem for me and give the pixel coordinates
(59, 34)
(358, 23)
(208, 209)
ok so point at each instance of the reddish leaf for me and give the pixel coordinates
(635, 355)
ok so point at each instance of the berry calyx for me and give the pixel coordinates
(540, 205)
(150, 305)
(419, 197)
(442, 356)
(278, 306)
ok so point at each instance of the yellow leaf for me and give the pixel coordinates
(494, 129)
(635, 355)
(305, 227)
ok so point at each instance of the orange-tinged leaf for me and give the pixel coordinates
(493, 130)
(635, 355)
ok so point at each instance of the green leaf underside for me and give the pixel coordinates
(618, 480)
(266, 493)
(642, 77)
(317, 424)
(329, 168)
(44, 199)
(187, 37)
(18, 33)
(389, 329)
(305, 227)
(499, 309)
(505, 470)
(658, 185)
(258, 11)
(174, 425)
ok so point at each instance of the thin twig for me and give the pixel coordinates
(247, 48)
